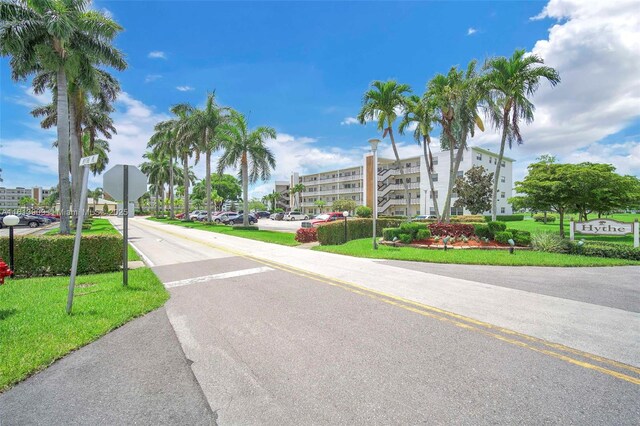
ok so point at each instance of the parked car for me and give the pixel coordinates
(262, 215)
(424, 216)
(296, 215)
(238, 219)
(201, 216)
(179, 215)
(220, 218)
(194, 214)
(277, 216)
(326, 218)
(29, 220)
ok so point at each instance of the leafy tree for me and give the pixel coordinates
(509, 82)
(320, 204)
(364, 211)
(344, 205)
(474, 190)
(248, 150)
(272, 198)
(382, 103)
(256, 205)
(27, 202)
(226, 186)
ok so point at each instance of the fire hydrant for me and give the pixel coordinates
(4, 271)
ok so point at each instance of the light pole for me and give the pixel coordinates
(374, 148)
(11, 221)
(346, 215)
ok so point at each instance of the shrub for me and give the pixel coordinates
(307, 235)
(423, 234)
(333, 233)
(539, 217)
(389, 233)
(503, 237)
(412, 228)
(521, 238)
(482, 230)
(40, 256)
(506, 218)
(604, 249)
(363, 211)
(245, 228)
(495, 227)
(468, 218)
(451, 229)
(405, 238)
(549, 241)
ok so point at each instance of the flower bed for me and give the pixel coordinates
(432, 243)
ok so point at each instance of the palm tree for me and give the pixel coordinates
(420, 112)
(247, 149)
(509, 82)
(54, 36)
(273, 198)
(383, 102)
(298, 188)
(101, 148)
(186, 144)
(320, 204)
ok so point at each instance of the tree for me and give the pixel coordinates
(509, 82)
(342, 205)
(273, 198)
(474, 190)
(57, 36)
(27, 202)
(382, 103)
(298, 188)
(256, 205)
(248, 150)
(226, 186)
(320, 204)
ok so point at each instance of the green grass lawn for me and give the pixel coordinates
(282, 238)
(363, 248)
(35, 329)
(99, 227)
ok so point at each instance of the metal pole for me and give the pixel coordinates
(345, 229)
(11, 251)
(125, 228)
(425, 201)
(636, 235)
(375, 197)
(76, 244)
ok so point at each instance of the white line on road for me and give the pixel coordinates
(205, 278)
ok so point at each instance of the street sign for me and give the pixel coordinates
(113, 182)
(86, 161)
(130, 211)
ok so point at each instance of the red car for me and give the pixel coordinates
(326, 218)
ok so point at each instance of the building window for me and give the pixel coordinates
(418, 179)
(408, 165)
(503, 179)
(432, 211)
(490, 160)
(434, 177)
(460, 173)
(479, 157)
(417, 195)
(409, 180)
(398, 181)
(435, 161)
(502, 195)
(502, 210)
(456, 211)
(434, 193)
(503, 164)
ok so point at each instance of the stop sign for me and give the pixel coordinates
(113, 182)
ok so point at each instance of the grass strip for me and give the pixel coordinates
(35, 330)
(363, 248)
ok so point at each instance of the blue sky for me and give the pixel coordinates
(302, 67)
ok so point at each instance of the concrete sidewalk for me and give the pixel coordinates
(600, 330)
(136, 374)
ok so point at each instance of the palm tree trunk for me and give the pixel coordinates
(446, 211)
(74, 145)
(245, 189)
(399, 165)
(63, 149)
(172, 214)
(208, 183)
(428, 160)
(496, 175)
(157, 200)
(185, 165)
(454, 173)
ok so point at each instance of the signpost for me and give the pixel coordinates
(605, 227)
(124, 182)
(85, 162)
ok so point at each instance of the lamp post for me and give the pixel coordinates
(11, 221)
(346, 215)
(374, 148)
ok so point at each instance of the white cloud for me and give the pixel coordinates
(152, 77)
(107, 13)
(38, 157)
(471, 31)
(592, 47)
(184, 88)
(349, 120)
(157, 54)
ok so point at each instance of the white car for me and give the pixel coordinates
(296, 215)
(194, 214)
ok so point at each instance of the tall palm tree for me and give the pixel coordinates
(273, 198)
(100, 148)
(54, 36)
(298, 188)
(383, 102)
(248, 150)
(509, 82)
(419, 111)
(186, 145)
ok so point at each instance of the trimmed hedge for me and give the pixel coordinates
(307, 235)
(388, 234)
(246, 228)
(506, 218)
(406, 238)
(521, 238)
(468, 218)
(412, 228)
(482, 230)
(495, 227)
(41, 256)
(451, 229)
(604, 249)
(423, 234)
(539, 217)
(364, 211)
(503, 237)
(333, 233)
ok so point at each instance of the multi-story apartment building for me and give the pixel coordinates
(10, 197)
(356, 183)
(284, 202)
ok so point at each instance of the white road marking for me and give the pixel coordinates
(224, 275)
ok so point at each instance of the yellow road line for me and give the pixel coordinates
(442, 315)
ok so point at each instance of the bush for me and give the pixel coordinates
(245, 228)
(468, 218)
(307, 235)
(482, 230)
(405, 238)
(506, 218)
(521, 238)
(495, 227)
(389, 233)
(451, 229)
(549, 241)
(363, 211)
(41, 256)
(412, 228)
(539, 217)
(423, 234)
(604, 249)
(333, 233)
(503, 237)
